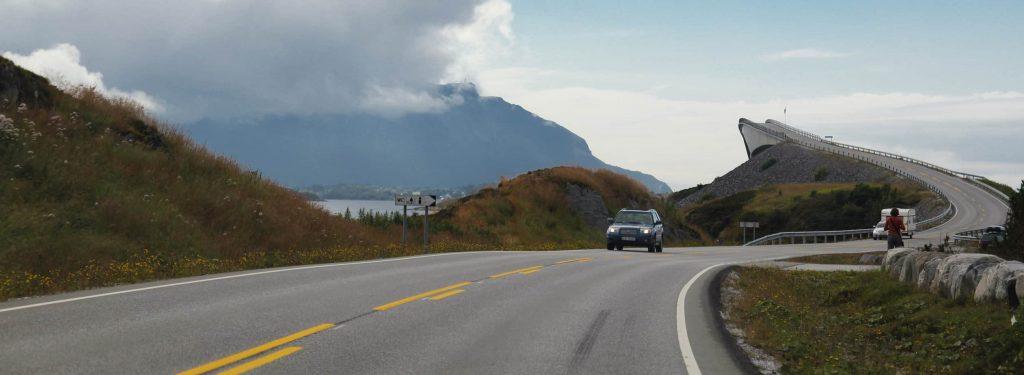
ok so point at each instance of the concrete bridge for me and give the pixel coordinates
(975, 204)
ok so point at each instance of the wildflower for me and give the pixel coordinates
(7, 128)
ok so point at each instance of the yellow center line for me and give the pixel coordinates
(202, 369)
(391, 305)
(248, 366)
(575, 260)
(446, 294)
(513, 272)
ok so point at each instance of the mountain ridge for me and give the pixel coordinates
(478, 139)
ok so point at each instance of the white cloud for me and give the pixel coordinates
(62, 65)
(250, 57)
(688, 141)
(804, 54)
(486, 37)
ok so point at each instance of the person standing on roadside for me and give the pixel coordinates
(895, 227)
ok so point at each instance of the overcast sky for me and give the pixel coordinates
(656, 87)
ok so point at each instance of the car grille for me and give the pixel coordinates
(628, 232)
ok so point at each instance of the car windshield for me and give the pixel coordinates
(628, 217)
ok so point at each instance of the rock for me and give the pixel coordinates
(796, 164)
(928, 272)
(958, 274)
(588, 204)
(870, 259)
(995, 279)
(1020, 287)
(891, 262)
(913, 264)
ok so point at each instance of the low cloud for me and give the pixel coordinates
(62, 65)
(206, 58)
(803, 54)
(685, 142)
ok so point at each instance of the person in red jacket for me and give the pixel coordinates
(895, 227)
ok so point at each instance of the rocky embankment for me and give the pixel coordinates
(788, 163)
(983, 277)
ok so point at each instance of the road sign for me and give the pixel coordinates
(749, 224)
(416, 200)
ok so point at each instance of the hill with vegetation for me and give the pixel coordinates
(802, 207)
(788, 187)
(94, 192)
(555, 208)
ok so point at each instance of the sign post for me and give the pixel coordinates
(416, 200)
(749, 224)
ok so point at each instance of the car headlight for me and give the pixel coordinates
(647, 231)
(611, 230)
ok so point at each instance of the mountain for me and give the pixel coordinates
(475, 141)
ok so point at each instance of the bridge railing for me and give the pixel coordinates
(973, 235)
(970, 178)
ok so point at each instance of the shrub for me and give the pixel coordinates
(820, 174)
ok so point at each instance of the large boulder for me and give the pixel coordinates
(1020, 287)
(928, 272)
(588, 204)
(893, 259)
(870, 259)
(958, 275)
(914, 263)
(994, 281)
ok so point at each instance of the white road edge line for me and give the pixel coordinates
(684, 340)
(41, 304)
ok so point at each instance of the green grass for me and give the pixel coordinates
(998, 186)
(845, 322)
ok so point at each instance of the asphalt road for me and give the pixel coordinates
(607, 312)
(581, 311)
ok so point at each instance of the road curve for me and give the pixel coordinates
(601, 312)
(579, 311)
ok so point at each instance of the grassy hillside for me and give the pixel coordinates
(533, 211)
(95, 192)
(792, 207)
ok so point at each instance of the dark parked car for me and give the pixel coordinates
(992, 235)
(635, 228)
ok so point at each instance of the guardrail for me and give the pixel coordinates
(825, 235)
(934, 222)
(973, 235)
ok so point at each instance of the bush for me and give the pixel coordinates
(1013, 247)
(716, 216)
(821, 174)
